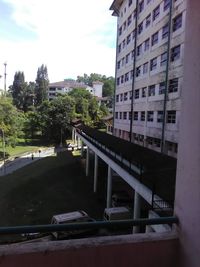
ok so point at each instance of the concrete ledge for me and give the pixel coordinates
(86, 243)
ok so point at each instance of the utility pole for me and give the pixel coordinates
(5, 74)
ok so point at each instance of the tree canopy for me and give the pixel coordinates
(109, 82)
(42, 83)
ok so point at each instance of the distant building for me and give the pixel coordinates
(66, 86)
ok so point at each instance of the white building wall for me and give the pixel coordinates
(124, 66)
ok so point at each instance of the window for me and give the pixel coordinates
(148, 1)
(175, 53)
(145, 68)
(116, 115)
(141, 6)
(157, 142)
(139, 50)
(151, 91)
(131, 75)
(173, 85)
(124, 43)
(119, 48)
(134, 14)
(135, 116)
(137, 94)
(166, 4)
(140, 28)
(127, 77)
(154, 39)
(177, 22)
(149, 140)
(130, 95)
(123, 61)
(144, 89)
(122, 79)
(163, 60)
(161, 88)
(120, 115)
(165, 31)
(146, 44)
(171, 116)
(160, 116)
(130, 115)
(121, 97)
(133, 34)
(127, 58)
(142, 116)
(124, 26)
(138, 71)
(129, 20)
(156, 12)
(132, 54)
(153, 64)
(148, 20)
(117, 98)
(150, 116)
(125, 96)
(125, 115)
(118, 65)
(120, 31)
(130, 2)
(128, 39)
(118, 81)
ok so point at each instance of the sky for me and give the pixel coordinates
(70, 37)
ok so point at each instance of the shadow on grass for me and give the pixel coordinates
(49, 186)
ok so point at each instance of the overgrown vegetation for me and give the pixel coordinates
(26, 113)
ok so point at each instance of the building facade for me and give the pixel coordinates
(149, 72)
(63, 87)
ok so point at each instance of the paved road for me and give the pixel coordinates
(25, 159)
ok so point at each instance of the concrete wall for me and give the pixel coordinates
(187, 200)
(149, 250)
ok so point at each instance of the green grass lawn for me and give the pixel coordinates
(15, 151)
(53, 185)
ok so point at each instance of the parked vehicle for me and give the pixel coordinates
(117, 213)
(121, 199)
(71, 217)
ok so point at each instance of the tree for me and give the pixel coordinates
(109, 82)
(42, 83)
(22, 93)
(18, 89)
(108, 86)
(11, 120)
(54, 117)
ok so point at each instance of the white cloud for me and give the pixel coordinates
(73, 38)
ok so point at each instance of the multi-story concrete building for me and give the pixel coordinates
(66, 86)
(149, 72)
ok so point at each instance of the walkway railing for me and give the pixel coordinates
(86, 225)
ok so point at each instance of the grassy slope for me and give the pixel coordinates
(49, 186)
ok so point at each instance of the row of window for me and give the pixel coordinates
(148, 140)
(152, 65)
(163, 33)
(149, 116)
(150, 90)
(141, 6)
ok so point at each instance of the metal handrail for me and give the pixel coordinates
(85, 225)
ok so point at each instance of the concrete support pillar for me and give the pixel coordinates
(96, 159)
(136, 210)
(73, 132)
(109, 187)
(81, 149)
(87, 161)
